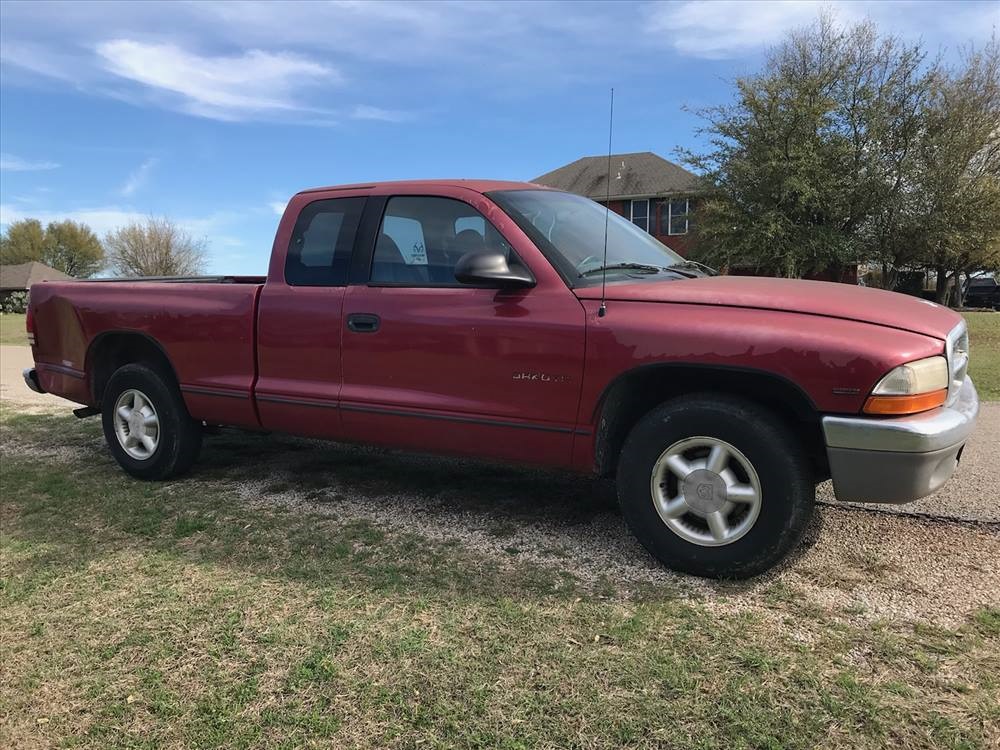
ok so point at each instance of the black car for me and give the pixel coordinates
(982, 292)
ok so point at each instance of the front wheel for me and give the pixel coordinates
(147, 425)
(715, 486)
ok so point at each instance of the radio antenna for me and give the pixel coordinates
(603, 309)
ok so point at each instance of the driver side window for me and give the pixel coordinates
(422, 238)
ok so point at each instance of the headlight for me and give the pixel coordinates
(911, 388)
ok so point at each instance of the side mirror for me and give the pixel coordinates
(490, 267)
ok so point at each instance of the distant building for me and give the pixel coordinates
(651, 192)
(658, 196)
(20, 277)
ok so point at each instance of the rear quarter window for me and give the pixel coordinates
(319, 253)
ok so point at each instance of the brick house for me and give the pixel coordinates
(20, 277)
(658, 196)
(653, 193)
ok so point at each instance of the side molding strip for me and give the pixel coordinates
(320, 403)
(449, 418)
(213, 392)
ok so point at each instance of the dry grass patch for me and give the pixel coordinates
(12, 329)
(984, 367)
(198, 613)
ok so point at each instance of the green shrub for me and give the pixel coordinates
(15, 302)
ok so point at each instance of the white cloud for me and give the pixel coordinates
(278, 207)
(366, 112)
(316, 63)
(11, 163)
(101, 220)
(104, 219)
(138, 177)
(729, 28)
(278, 61)
(51, 61)
(726, 28)
(221, 87)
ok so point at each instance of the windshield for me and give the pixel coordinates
(569, 229)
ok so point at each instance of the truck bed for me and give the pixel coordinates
(204, 326)
(179, 280)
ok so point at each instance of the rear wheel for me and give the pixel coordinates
(147, 425)
(715, 486)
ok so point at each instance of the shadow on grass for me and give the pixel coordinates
(311, 510)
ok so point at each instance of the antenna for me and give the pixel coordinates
(603, 309)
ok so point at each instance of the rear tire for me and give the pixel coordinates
(715, 486)
(147, 425)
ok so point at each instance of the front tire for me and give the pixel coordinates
(147, 425)
(715, 486)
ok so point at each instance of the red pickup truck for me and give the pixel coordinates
(470, 317)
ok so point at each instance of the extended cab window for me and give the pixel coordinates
(422, 238)
(319, 253)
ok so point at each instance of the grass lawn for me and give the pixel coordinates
(191, 614)
(984, 342)
(12, 329)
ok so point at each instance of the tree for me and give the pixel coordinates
(807, 169)
(957, 184)
(156, 247)
(73, 248)
(68, 246)
(23, 242)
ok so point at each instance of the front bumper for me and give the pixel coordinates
(31, 379)
(901, 459)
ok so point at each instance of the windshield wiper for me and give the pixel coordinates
(695, 266)
(638, 267)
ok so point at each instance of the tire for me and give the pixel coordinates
(158, 447)
(685, 522)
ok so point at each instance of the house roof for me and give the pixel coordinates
(23, 275)
(635, 175)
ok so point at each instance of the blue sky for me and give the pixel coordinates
(215, 113)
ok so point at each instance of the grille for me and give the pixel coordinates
(957, 351)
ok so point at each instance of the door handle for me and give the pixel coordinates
(363, 322)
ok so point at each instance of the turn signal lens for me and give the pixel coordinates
(911, 388)
(898, 405)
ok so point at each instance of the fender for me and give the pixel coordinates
(636, 391)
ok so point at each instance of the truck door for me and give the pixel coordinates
(300, 322)
(435, 365)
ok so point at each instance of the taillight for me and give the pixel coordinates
(29, 326)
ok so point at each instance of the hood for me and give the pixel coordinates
(790, 295)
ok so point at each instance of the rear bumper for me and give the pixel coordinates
(31, 380)
(902, 459)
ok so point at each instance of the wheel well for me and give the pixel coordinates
(113, 350)
(636, 393)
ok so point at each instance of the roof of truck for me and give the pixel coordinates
(480, 186)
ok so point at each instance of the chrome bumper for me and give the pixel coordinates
(31, 379)
(901, 459)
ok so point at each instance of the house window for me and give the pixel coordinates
(677, 221)
(640, 214)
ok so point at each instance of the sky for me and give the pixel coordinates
(214, 114)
